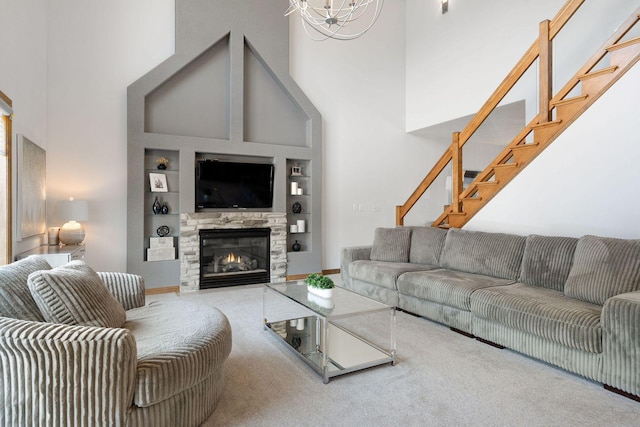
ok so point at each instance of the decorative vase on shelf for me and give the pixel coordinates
(162, 166)
(163, 231)
(296, 208)
(157, 208)
(165, 209)
(296, 246)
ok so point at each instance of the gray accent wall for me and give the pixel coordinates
(226, 93)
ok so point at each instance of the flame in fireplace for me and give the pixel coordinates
(232, 258)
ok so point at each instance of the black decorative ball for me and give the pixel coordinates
(296, 208)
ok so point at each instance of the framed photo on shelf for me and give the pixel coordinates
(158, 183)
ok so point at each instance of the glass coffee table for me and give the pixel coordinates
(335, 336)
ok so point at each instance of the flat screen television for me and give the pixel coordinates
(221, 184)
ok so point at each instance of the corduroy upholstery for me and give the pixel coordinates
(383, 274)
(194, 335)
(490, 254)
(603, 268)
(448, 287)
(391, 244)
(547, 261)
(74, 294)
(168, 357)
(542, 312)
(15, 297)
(571, 302)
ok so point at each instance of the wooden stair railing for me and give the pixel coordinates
(519, 153)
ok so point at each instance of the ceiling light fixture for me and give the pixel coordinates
(335, 19)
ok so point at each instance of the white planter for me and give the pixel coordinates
(322, 293)
(321, 302)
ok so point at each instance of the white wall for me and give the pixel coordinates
(96, 49)
(456, 60)
(23, 78)
(358, 86)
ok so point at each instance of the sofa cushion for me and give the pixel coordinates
(383, 273)
(73, 294)
(180, 343)
(547, 261)
(448, 287)
(603, 267)
(426, 245)
(391, 244)
(489, 254)
(546, 313)
(15, 297)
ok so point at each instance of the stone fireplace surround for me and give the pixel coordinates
(192, 223)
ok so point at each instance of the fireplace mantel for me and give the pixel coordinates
(192, 223)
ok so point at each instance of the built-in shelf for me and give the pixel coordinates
(303, 182)
(171, 197)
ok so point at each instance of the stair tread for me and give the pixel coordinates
(523, 146)
(624, 44)
(546, 124)
(505, 165)
(598, 73)
(570, 100)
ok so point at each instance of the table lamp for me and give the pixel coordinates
(72, 233)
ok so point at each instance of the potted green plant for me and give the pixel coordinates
(320, 285)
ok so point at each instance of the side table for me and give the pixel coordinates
(56, 255)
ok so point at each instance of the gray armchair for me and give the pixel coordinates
(155, 370)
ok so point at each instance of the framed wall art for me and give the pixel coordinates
(158, 183)
(32, 189)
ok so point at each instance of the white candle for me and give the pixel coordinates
(293, 228)
(294, 188)
(300, 325)
(299, 191)
(301, 226)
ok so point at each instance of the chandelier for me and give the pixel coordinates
(334, 19)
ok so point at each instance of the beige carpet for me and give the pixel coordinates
(441, 379)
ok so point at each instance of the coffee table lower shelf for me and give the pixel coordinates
(347, 352)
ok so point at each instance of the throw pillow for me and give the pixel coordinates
(602, 268)
(391, 244)
(15, 298)
(73, 294)
(426, 245)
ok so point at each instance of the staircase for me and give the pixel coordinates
(556, 113)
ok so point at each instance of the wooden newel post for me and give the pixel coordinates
(546, 72)
(456, 165)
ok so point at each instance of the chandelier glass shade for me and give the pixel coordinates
(336, 19)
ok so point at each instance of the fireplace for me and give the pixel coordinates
(234, 256)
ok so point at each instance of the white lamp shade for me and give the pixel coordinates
(73, 210)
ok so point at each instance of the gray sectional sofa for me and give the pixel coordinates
(574, 303)
(81, 348)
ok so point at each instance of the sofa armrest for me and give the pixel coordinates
(127, 288)
(621, 342)
(349, 255)
(56, 374)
